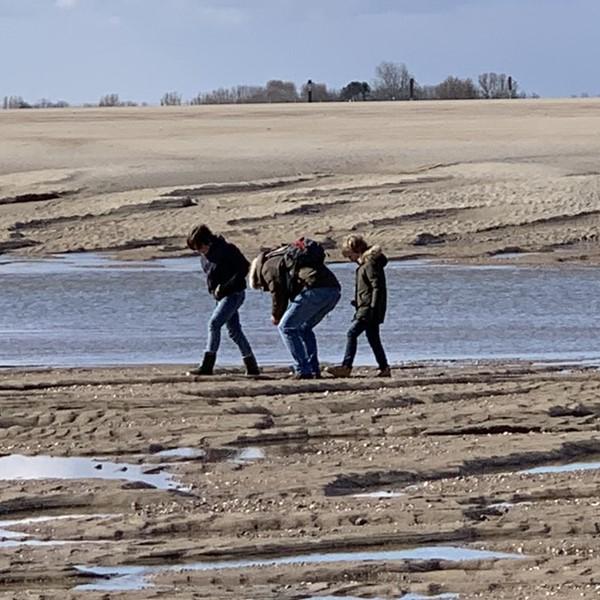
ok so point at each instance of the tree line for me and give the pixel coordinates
(392, 81)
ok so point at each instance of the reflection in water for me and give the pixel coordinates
(15, 467)
(83, 309)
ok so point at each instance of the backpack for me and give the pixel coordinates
(304, 253)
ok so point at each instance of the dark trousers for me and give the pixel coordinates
(372, 331)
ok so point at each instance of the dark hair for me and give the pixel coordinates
(201, 235)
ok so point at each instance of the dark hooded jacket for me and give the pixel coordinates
(271, 275)
(371, 290)
(226, 268)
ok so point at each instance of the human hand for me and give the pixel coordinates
(217, 293)
(275, 321)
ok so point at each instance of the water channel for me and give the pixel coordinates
(85, 310)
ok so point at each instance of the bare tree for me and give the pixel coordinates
(15, 102)
(281, 91)
(392, 81)
(455, 88)
(495, 85)
(171, 99)
(110, 100)
(320, 93)
(241, 94)
(45, 103)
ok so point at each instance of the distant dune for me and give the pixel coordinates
(459, 180)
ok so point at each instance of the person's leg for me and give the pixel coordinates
(345, 369)
(290, 328)
(356, 329)
(234, 326)
(323, 301)
(374, 340)
(220, 315)
(218, 318)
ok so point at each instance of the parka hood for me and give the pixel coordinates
(375, 254)
(255, 280)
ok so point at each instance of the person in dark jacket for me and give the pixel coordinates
(226, 269)
(370, 303)
(300, 301)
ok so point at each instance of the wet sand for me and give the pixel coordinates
(464, 181)
(449, 438)
(461, 181)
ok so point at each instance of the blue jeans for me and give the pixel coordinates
(304, 313)
(227, 313)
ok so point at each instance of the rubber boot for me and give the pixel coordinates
(251, 365)
(207, 366)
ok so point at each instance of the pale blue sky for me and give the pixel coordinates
(78, 50)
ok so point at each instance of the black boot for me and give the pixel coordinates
(207, 366)
(251, 366)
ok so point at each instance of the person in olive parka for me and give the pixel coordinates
(226, 269)
(370, 303)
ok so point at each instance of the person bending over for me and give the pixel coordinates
(303, 292)
(226, 269)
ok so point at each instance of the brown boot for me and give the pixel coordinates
(341, 371)
(387, 372)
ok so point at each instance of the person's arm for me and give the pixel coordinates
(241, 266)
(276, 284)
(376, 280)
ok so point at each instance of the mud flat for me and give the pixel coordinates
(474, 181)
(265, 480)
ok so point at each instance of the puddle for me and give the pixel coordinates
(185, 452)
(115, 579)
(438, 597)
(12, 539)
(137, 576)
(379, 494)
(579, 466)
(405, 597)
(249, 454)
(234, 455)
(7, 533)
(503, 505)
(17, 467)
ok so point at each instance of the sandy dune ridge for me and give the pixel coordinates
(460, 180)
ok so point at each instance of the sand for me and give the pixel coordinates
(457, 181)
(451, 438)
(449, 180)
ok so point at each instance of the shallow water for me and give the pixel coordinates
(568, 468)
(405, 597)
(16, 467)
(379, 494)
(83, 309)
(132, 575)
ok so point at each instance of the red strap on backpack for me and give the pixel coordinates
(300, 244)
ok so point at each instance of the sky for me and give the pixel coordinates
(79, 50)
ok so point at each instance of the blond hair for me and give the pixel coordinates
(354, 244)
